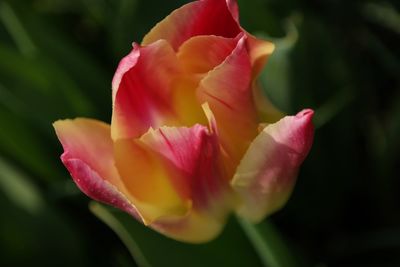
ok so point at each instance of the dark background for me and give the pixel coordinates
(341, 58)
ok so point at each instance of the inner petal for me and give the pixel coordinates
(149, 180)
(201, 54)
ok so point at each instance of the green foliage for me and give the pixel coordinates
(341, 58)
(149, 248)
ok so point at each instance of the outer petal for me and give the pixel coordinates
(205, 17)
(227, 89)
(88, 155)
(177, 172)
(196, 227)
(266, 175)
(233, 8)
(141, 90)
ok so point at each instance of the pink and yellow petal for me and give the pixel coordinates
(149, 181)
(259, 51)
(201, 54)
(184, 100)
(88, 156)
(194, 152)
(205, 17)
(142, 87)
(266, 175)
(227, 90)
(194, 228)
(173, 170)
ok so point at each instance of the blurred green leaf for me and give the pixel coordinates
(120, 29)
(18, 140)
(36, 235)
(149, 248)
(383, 13)
(18, 188)
(275, 76)
(16, 30)
(333, 106)
(269, 245)
(32, 82)
(63, 64)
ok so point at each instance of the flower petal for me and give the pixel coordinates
(195, 153)
(88, 155)
(182, 163)
(201, 54)
(141, 88)
(196, 227)
(266, 175)
(259, 51)
(205, 17)
(148, 180)
(227, 90)
(233, 8)
(176, 172)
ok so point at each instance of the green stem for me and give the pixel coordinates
(268, 244)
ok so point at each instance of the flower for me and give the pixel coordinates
(192, 139)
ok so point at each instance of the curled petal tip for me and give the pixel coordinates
(308, 113)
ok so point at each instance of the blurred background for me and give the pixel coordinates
(341, 58)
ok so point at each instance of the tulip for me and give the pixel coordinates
(192, 138)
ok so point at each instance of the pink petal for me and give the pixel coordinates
(233, 8)
(141, 90)
(205, 17)
(267, 173)
(88, 156)
(227, 90)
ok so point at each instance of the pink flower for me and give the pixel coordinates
(192, 139)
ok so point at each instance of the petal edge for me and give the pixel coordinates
(266, 175)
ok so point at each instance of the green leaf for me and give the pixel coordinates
(150, 248)
(19, 141)
(268, 243)
(336, 104)
(275, 77)
(18, 188)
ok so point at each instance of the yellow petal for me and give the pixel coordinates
(148, 180)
